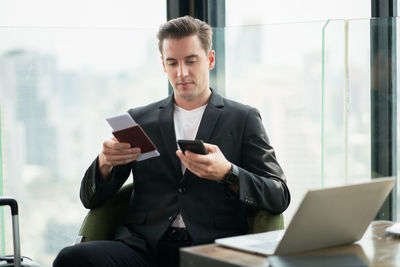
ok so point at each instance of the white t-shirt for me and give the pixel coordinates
(186, 124)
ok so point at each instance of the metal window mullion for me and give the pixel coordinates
(384, 98)
(212, 12)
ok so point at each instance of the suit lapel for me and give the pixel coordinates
(166, 124)
(210, 117)
(207, 125)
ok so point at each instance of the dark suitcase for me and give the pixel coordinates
(15, 260)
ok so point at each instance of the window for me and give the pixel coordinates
(315, 108)
(291, 11)
(62, 72)
(66, 65)
(306, 67)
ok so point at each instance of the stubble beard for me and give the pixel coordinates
(188, 94)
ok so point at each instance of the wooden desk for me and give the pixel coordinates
(376, 248)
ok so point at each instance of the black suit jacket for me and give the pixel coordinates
(209, 208)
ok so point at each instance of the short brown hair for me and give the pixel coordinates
(185, 26)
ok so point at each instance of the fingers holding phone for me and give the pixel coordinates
(195, 146)
(208, 163)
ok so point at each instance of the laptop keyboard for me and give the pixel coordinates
(264, 246)
(264, 243)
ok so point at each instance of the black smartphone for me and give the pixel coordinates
(195, 146)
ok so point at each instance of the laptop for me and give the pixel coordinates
(325, 218)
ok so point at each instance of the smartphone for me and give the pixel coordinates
(195, 146)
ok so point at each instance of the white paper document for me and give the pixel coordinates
(121, 121)
(124, 121)
(394, 229)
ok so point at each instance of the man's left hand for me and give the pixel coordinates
(213, 166)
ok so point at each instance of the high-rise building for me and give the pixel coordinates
(28, 81)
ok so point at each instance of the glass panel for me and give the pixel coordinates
(2, 221)
(311, 83)
(253, 12)
(88, 13)
(57, 86)
(277, 69)
(347, 116)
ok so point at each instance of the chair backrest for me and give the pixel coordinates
(100, 223)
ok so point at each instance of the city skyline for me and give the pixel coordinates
(75, 103)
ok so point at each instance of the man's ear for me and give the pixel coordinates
(211, 60)
(163, 64)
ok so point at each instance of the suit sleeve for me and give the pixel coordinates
(95, 191)
(262, 183)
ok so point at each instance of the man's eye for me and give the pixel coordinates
(191, 61)
(171, 63)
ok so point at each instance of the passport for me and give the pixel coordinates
(136, 137)
(126, 130)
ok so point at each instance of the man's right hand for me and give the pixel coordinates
(115, 153)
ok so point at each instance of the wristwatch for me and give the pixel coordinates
(232, 177)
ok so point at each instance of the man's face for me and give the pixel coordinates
(187, 66)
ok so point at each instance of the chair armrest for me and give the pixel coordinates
(264, 221)
(101, 223)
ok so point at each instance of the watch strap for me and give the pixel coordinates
(232, 177)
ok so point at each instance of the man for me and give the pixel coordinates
(183, 199)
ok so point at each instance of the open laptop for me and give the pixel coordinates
(325, 218)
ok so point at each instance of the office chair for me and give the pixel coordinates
(100, 223)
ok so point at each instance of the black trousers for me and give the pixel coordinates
(112, 253)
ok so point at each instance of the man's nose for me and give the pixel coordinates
(182, 70)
